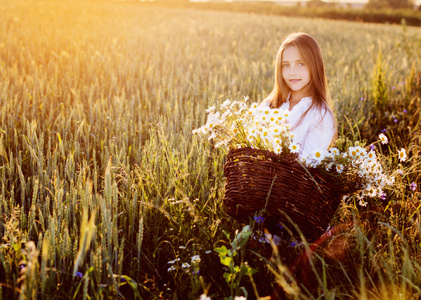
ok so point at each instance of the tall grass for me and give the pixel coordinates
(102, 182)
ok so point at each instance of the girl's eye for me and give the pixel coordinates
(284, 66)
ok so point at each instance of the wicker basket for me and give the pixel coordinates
(309, 197)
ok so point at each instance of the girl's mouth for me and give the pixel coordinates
(294, 80)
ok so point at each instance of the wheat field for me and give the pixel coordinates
(104, 188)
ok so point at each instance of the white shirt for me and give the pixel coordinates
(316, 130)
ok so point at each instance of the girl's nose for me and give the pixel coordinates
(292, 71)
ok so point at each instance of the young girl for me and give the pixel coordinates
(301, 88)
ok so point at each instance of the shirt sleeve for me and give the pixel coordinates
(320, 132)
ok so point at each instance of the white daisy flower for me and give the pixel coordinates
(210, 109)
(226, 103)
(352, 151)
(185, 265)
(362, 203)
(383, 138)
(278, 150)
(195, 259)
(172, 268)
(371, 156)
(402, 155)
(334, 151)
(339, 168)
(318, 155)
(294, 147)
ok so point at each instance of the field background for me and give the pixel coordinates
(100, 170)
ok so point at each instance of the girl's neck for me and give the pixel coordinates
(295, 98)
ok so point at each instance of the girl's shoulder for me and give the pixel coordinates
(321, 114)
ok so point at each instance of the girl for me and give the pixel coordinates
(301, 88)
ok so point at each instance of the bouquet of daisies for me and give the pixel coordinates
(239, 125)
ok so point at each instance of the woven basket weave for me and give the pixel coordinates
(309, 197)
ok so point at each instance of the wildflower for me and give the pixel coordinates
(413, 186)
(362, 99)
(259, 219)
(275, 130)
(372, 147)
(402, 155)
(405, 111)
(352, 152)
(395, 120)
(173, 261)
(240, 298)
(329, 166)
(360, 151)
(226, 104)
(294, 147)
(362, 203)
(383, 196)
(384, 130)
(371, 156)
(399, 171)
(318, 156)
(79, 274)
(172, 268)
(195, 259)
(182, 247)
(334, 151)
(210, 109)
(339, 168)
(370, 191)
(204, 297)
(383, 138)
(185, 265)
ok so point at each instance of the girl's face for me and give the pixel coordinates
(295, 72)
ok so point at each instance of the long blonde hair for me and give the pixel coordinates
(312, 56)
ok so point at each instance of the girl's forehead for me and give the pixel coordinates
(291, 53)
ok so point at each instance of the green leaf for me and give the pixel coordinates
(221, 250)
(226, 260)
(247, 270)
(228, 277)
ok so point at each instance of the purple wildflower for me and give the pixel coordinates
(383, 196)
(362, 99)
(405, 111)
(413, 186)
(396, 120)
(259, 219)
(79, 274)
(384, 130)
(372, 147)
